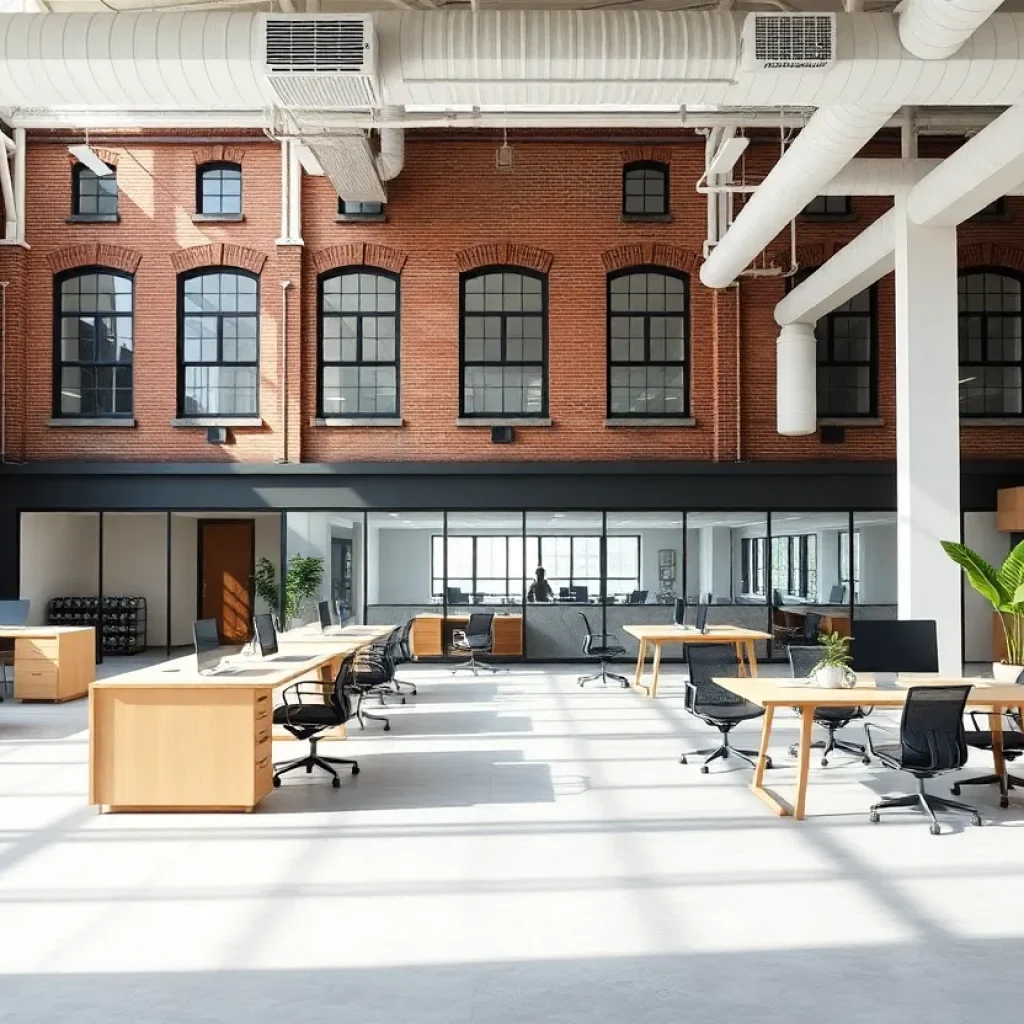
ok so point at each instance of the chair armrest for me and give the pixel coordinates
(314, 689)
(868, 726)
(1008, 714)
(605, 637)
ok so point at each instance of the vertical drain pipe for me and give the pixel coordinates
(285, 285)
(3, 370)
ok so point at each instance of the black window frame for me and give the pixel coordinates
(503, 268)
(220, 315)
(610, 364)
(965, 369)
(647, 165)
(219, 165)
(321, 363)
(844, 210)
(753, 566)
(59, 362)
(78, 171)
(797, 571)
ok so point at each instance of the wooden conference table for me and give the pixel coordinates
(165, 738)
(740, 637)
(55, 663)
(770, 694)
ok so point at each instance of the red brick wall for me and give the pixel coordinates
(561, 202)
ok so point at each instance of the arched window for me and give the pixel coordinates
(648, 342)
(218, 343)
(358, 343)
(504, 342)
(645, 189)
(847, 356)
(989, 303)
(93, 197)
(93, 342)
(219, 189)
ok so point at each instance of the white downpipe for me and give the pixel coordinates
(979, 172)
(819, 153)
(796, 380)
(294, 195)
(285, 285)
(10, 206)
(936, 29)
(19, 183)
(391, 158)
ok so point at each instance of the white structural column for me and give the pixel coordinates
(927, 429)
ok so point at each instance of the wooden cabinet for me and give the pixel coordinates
(508, 635)
(55, 664)
(431, 632)
(1010, 510)
(425, 640)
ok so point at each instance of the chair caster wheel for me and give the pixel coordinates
(768, 763)
(1004, 801)
(277, 782)
(413, 691)
(934, 829)
(387, 727)
(355, 769)
(703, 769)
(874, 817)
(682, 759)
(865, 760)
(955, 790)
(824, 762)
(336, 783)
(792, 751)
(976, 820)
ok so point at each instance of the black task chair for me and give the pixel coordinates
(1013, 747)
(600, 647)
(931, 742)
(308, 711)
(714, 705)
(811, 627)
(837, 595)
(475, 639)
(803, 661)
(372, 676)
(401, 654)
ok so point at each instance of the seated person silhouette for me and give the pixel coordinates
(540, 589)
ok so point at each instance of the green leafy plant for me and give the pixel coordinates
(301, 582)
(1002, 587)
(835, 650)
(265, 583)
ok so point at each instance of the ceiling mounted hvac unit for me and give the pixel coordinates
(789, 42)
(321, 61)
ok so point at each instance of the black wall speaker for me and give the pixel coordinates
(833, 435)
(502, 435)
(217, 435)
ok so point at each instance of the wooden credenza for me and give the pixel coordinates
(428, 636)
(53, 663)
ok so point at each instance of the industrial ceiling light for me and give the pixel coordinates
(728, 154)
(88, 157)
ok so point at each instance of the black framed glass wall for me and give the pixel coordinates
(872, 557)
(325, 550)
(399, 580)
(479, 561)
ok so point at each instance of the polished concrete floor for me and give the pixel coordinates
(515, 850)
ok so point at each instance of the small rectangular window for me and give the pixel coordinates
(92, 195)
(219, 190)
(356, 210)
(645, 190)
(828, 206)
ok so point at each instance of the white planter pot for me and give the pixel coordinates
(1003, 673)
(832, 677)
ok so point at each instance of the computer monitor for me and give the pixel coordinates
(581, 595)
(901, 645)
(679, 614)
(702, 617)
(563, 594)
(207, 643)
(266, 635)
(14, 613)
(323, 609)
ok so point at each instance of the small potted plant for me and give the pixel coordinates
(1003, 588)
(833, 670)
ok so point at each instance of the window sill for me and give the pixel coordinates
(994, 421)
(357, 421)
(851, 421)
(214, 218)
(361, 218)
(645, 218)
(217, 421)
(92, 422)
(93, 218)
(507, 421)
(650, 421)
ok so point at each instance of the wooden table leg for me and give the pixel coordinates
(804, 761)
(740, 648)
(751, 659)
(653, 691)
(995, 723)
(641, 655)
(757, 786)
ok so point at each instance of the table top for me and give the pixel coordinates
(353, 635)
(464, 616)
(40, 632)
(689, 635)
(786, 692)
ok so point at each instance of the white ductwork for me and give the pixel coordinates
(348, 160)
(796, 380)
(391, 158)
(820, 151)
(936, 29)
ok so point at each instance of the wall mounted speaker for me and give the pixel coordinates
(833, 435)
(502, 435)
(217, 435)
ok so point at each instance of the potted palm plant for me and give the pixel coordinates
(1003, 588)
(833, 670)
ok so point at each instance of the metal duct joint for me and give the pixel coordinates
(391, 158)
(936, 29)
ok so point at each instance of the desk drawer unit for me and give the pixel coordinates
(55, 668)
(166, 748)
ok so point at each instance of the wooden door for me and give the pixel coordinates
(226, 566)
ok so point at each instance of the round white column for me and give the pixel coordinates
(796, 380)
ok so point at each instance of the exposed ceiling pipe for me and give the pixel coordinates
(391, 158)
(819, 152)
(10, 207)
(936, 29)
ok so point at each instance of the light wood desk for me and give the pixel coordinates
(54, 663)
(427, 639)
(657, 636)
(775, 693)
(166, 738)
(352, 636)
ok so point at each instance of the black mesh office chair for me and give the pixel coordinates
(1013, 747)
(600, 647)
(372, 675)
(401, 654)
(931, 742)
(803, 661)
(308, 711)
(811, 627)
(714, 705)
(476, 638)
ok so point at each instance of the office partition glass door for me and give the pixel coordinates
(403, 578)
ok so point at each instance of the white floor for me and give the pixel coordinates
(514, 850)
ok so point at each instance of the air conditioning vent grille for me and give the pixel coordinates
(794, 40)
(316, 45)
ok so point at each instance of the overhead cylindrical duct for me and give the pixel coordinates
(936, 29)
(796, 380)
(832, 137)
(391, 158)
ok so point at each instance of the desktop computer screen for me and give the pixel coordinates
(902, 645)
(324, 611)
(266, 635)
(702, 617)
(13, 613)
(679, 614)
(207, 644)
